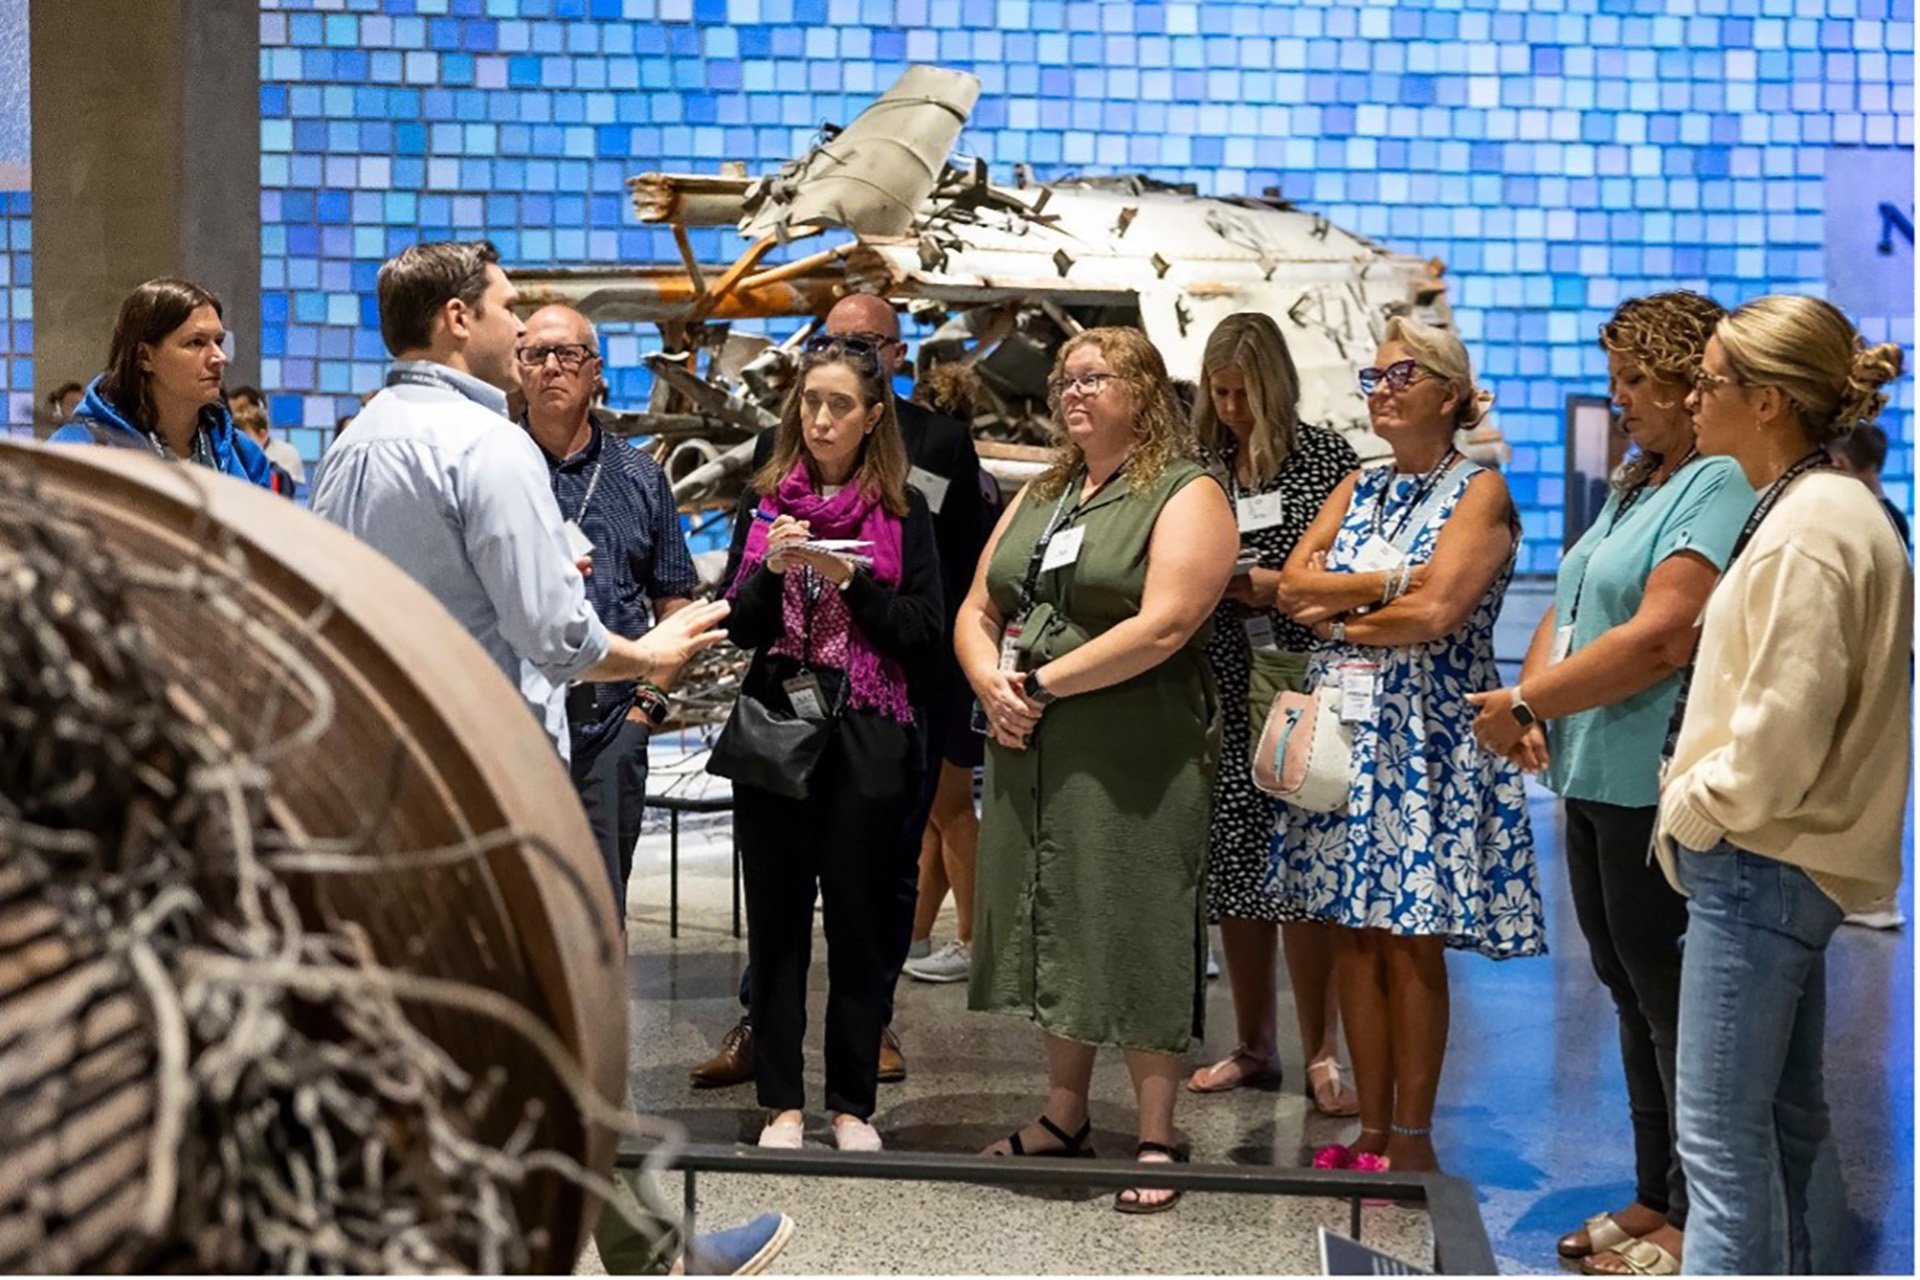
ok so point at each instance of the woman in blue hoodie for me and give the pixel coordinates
(161, 390)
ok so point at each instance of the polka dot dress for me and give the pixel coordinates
(1243, 816)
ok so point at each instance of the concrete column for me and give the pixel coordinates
(146, 162)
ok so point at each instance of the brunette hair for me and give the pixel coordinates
(880, 469)
(1158, 425)
(1666, 335)
(148, 314)
(423, 278)
(1253, 343)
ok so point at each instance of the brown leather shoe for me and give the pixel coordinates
(893, 1063)
(732, 1065)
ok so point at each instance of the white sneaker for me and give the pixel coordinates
(951, 963)
(852, 1134)
(1213, 964)
(1887, 918)
(789, 1135)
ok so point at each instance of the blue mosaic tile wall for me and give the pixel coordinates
(1557, 161)
(16, 308)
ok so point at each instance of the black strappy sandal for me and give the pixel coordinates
(1137, 1205)
(1071, 1146)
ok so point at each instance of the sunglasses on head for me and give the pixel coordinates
(872, 345)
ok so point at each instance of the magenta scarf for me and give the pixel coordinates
(830, 637)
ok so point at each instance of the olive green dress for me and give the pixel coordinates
(1093, 841)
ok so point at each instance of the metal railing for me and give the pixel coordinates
(1460, 1244)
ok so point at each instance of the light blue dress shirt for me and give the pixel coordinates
(434, 476)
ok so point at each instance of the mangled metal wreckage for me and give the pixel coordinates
(1003, 274)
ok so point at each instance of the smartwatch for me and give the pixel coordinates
(1036, 691)
(1522, 713)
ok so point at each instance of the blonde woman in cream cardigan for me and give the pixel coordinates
(1782, 805)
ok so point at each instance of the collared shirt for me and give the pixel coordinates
(621, 500)
(434, 476)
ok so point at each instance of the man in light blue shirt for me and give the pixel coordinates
(434, 475)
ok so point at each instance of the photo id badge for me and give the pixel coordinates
(1260, 632)
(1562, 644)
(1359, 691)
(1376, 554)
(578, 543)
(1063, 548)
(1260, 511)
(803, 692)
(932, 487)
(1010, 647)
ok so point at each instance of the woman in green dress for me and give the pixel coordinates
(1083, 638)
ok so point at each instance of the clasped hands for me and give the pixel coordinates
(1011, 714)
(781, 555)
(1500, 733)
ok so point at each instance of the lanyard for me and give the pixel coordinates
(593, 482)
(1058, 521)
(201, 451)
(424, 378)
(1619, 513)
(1426, 486)
(1761, 510)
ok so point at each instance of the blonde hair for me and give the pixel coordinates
(1442, 353)
(1251, 342)
(880, 468)
(1139, 372)
(1666, 335)
(1813, 354)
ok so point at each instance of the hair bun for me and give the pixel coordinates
(1878, 364)
(1873, 367)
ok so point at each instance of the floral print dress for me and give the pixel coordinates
(1435, 838)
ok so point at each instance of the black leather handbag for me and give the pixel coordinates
(773, 750)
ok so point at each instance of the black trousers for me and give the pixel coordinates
(612, 782)
(840, 845)
(1633, 920)
(897, 936)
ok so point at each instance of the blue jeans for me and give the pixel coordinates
(1754, 1138)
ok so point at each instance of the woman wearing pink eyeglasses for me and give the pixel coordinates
(1402, 574)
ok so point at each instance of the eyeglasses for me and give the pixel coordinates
(1704, 381)
(571, 355)
(1398, 376)
(1091, 384)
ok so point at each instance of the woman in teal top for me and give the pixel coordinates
(1599, 682)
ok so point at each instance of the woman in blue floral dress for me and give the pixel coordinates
(1402, 575)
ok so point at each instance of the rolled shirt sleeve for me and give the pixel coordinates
(517, 546)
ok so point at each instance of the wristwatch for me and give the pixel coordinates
(1522, 713)
(1036, 691)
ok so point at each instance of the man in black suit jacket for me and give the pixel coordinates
(964, 502)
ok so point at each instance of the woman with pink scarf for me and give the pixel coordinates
(842, 634)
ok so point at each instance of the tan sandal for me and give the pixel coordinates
(1330, 1094)
(1603, 1233)
(1265, 1075)
(1634, 1258)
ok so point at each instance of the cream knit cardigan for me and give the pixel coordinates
(1796, 743)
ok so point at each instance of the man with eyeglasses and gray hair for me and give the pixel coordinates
(620, 514)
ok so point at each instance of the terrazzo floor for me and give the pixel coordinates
(1532, 1107)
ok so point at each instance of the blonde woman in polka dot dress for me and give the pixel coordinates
(1279, 471)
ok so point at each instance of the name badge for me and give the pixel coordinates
(1359, 691)
(1010, 647)
(803, 692)
(1260, 632)
(1562, 644)
(1064, 548)
(578, 543)
(1261, 511)
(1377, 554)
(932, 486)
